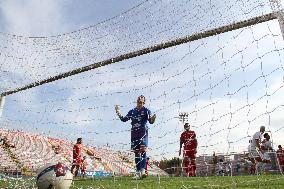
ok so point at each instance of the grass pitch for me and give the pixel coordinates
(263, 181)
(247, 182)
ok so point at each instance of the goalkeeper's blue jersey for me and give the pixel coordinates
(139, 120)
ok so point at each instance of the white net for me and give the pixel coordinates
(147, 24)
(229, 84)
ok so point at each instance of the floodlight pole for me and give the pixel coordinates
(277, 9)
(2, 102)
(183, 117)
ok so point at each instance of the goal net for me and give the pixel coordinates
(229, 84)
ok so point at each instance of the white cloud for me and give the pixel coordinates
(32, 18)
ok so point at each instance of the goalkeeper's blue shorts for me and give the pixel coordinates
(136, 144)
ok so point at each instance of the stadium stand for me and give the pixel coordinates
(33, 151)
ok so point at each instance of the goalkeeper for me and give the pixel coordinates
(139, 117)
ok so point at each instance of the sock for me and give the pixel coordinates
(138, 162)
(143, 160)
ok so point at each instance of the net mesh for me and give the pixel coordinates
(229, 85)
(147, 24)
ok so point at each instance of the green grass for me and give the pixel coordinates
(264, 181)
(13, 183)
(247, 182)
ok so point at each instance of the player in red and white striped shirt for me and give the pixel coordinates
(189, 143)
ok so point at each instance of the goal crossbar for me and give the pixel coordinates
(171, 43)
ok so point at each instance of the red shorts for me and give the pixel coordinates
(191, 153)
(77, 161)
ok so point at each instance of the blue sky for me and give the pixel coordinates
(230, 84)
(46, 18)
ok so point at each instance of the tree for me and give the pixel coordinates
(171, 166)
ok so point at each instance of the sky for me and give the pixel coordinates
(229, 84)
(46, 18)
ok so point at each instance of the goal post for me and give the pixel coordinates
(277, 8)
(2, 102)
(151, 49)
(280, 16)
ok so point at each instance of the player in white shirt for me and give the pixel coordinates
(266, 147)
(255, 151)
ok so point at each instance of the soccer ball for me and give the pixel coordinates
(55, 176)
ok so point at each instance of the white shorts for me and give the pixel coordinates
(254, 153)
(266, 156)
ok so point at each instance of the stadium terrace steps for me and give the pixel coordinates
(7, 163)
(33, 151)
